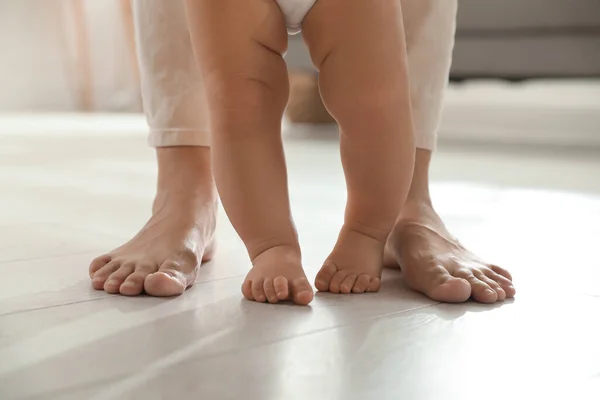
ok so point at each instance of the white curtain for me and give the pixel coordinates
(42, 64)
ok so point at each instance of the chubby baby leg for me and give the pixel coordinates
(239, 47)
(360, 50)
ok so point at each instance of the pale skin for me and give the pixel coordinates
(164, 258)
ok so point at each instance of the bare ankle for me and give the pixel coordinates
(185, 168)
(418, 198)
(378, 234)
(288, 250)
(419, 188)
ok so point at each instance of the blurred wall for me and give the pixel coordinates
(527, 39)
(516, 39)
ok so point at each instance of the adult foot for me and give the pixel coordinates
(437, 265)
(164, 257)
(354, 265)
(277, 275)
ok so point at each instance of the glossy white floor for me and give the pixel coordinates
(67, 194)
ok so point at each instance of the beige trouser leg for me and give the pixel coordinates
(430, 26)
(173, 92)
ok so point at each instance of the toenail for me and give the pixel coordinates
(489, 291)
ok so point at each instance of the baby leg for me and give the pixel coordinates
(239, 47)
(360, 50)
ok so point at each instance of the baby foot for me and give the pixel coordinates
(164, 257)
(277, 275)
(354, 265)
(437, 265)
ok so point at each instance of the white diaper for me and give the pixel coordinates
(294, 12)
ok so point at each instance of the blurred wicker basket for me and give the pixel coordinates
(305, 104)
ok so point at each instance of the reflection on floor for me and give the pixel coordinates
(66, 196)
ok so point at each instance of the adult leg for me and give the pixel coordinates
(164, 257)
(433, 262)
(239, 47)
(359, 48)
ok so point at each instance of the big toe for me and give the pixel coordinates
(452, 291)
(169, 280)
(163, 284)
(173, 277)
(436, 283)
(302, 292)
(324, 277)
